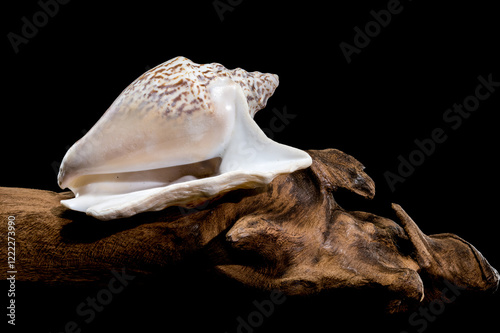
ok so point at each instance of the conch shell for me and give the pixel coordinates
(180, 133)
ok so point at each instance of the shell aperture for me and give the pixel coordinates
(180, 133)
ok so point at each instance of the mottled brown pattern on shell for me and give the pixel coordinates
(180, 86)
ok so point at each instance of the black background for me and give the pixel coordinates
(393, 92)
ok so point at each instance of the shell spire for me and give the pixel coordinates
(257, 87)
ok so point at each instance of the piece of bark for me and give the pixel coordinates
(290, 235)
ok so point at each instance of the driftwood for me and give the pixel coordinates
(291, 235)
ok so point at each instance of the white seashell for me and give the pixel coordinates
(180, 133)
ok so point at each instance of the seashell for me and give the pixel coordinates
(179, 134)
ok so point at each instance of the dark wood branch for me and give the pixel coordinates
(291, 235)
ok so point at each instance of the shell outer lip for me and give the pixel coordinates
(160, 198)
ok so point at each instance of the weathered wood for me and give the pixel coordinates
(291, 235)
